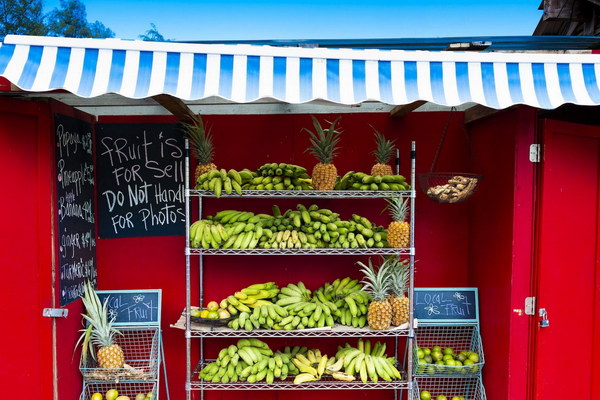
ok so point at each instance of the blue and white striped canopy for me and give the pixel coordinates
(246, 73)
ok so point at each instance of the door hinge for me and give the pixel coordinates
(55, 312)
(535, 153)
(529, 305)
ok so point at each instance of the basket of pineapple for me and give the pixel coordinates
(448, 350)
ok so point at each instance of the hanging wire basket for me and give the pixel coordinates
(449, 187)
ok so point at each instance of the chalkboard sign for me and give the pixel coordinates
(446, 305)
(141, 173)
(75, 208)
(133, 307)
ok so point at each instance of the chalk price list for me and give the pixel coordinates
(75, 207)
(144, 189)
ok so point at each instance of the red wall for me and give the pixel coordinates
(248, 141)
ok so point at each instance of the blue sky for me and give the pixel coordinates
(314, 19)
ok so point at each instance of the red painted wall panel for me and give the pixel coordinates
(500, 232)
(249, 141)
(26, 249)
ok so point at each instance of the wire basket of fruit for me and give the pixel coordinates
(211, 315)
(448, 350)
(119, 391)
(467, 388)
(449, 187)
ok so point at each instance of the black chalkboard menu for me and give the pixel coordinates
(75, 208)
(141, 173)
(133, 307)
(446, 304)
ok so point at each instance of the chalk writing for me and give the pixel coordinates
(132, 306)
(75, 206)
(141, 172)
(445, 303)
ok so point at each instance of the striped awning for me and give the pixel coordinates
(246, 73)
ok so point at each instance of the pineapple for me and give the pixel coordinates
(202, 146)
(323, 147)
(398, 285)
(100, 331)
(399, 229)
(383, 153)
(376, 283)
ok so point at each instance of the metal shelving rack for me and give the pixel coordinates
(193, 384)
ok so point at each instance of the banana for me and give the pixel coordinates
(342, 376)
(321, 366)
(304, 368)
(339, 363)
(304, 377)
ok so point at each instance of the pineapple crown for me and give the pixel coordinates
(100, 329)
(377, 280)
(399, 271)
(200, 140)
(398, 208)
(324, 141)
(384, 148)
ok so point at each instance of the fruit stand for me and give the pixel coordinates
(263, 120)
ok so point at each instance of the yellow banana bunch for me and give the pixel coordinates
(205, 234)
(221, 180)
(369, 362)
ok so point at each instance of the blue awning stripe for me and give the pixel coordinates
(591, 82)
(436, 75)
(564, 79)
(488, 78)
(245, 73)
(226, 76)
(359, 85)
(279, 74)
(539, 82)
(60, 68)
(172, 73)
(117, 66)
(6, 53)
(31, 67)
(86, 83)
(333, 80)
(198, 76)
(306, 81)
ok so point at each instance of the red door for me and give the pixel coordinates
(566, 352)
(25, 250)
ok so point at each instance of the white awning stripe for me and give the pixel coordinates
(243, 73)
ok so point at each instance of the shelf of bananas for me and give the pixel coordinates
(252, 361)
(296, 307)
(304, 227)
(361, 181)
(280, 176)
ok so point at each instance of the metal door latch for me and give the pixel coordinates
(55, 312)
(544, 323)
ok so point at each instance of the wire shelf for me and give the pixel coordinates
(130, 389)
(458, 338)
(203, 330)
(325, 383)
(471, 388)
(326, 194)
(293, 252)
(141, 350)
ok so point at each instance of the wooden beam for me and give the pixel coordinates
(176, 107)
(401, 111)
(479, 112)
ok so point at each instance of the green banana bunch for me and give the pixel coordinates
(352, 303)
(369, 362)
(282, 176)
(206, 234)
(361, 181)
(251, 360)
(221, 180)
(265, 316)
